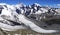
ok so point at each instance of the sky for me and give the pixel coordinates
(52, 3)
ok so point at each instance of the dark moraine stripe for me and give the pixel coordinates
(15, 23)
(38, 23)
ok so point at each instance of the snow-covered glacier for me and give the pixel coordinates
(20, 16)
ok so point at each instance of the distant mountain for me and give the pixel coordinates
(28, 10)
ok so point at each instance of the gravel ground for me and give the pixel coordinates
(26, 32)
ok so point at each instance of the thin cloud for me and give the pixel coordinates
(54, 5)
(58, 4)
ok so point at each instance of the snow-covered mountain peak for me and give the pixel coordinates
(37, 4)
(26, 8)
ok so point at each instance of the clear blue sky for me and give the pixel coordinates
(54, 3)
